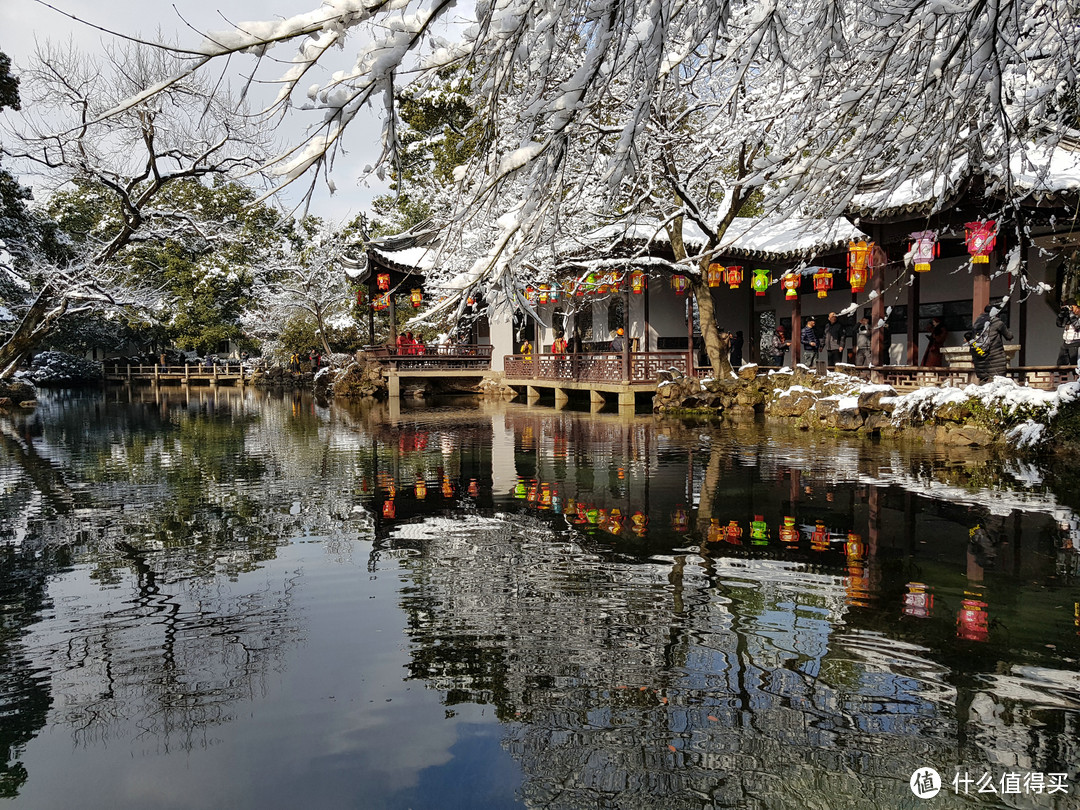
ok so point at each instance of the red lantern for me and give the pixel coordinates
(383, 280)
(637, 282)
(388, 508)
(734, 276)
(788, 533)
(417, 298)
(733, 533)
(679, 283)
(823, 282)
(790, 282)
(973, 620)
(858, 264)
(980, 238)
(924, 248)
(819, 538)
(715, 274)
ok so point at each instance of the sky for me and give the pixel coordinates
(23, 23)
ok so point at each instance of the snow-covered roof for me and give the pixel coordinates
(775, 238)
(418, 258)
(1045, 173)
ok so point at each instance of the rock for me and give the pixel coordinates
(5, 402)
(954, 411)
(748, 372)
(871, 398)
(360, 381)
(60, 369)
(28, 403)
(793, 402)
(838, 413)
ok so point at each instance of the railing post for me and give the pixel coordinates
(129, 372)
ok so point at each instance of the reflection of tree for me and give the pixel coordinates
(172, 500)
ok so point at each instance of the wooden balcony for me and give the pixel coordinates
(597, 367)
(452, 356)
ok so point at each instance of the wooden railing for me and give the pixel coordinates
(221, 370)
(1045, 378)
(600, 367)
(445, 356)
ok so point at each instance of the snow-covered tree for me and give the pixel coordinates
(310, 282)
(804, 101)
(187, 131)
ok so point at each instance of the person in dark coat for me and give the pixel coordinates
(809, 340)
(992, 362)
(1068, 320)
(834, 340)
(737, 343)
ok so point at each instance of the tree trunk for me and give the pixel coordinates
(719, 355)
(22, 341)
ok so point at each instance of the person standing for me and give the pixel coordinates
(938, 333)
(1069, 319)
(834, 340)
(988, 345)
(737, 344)
(809, 340)
(862, 342)
(618, 341)
(774, 346)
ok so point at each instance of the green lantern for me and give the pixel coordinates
(761, 281)
(759, 529)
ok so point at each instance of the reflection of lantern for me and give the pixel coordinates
(615, 522)
(388, 508)
(421, 488)
(759, 530)
(823, 282)
(733, 533)
(416, 297)
(637, 282)
(716, 532)
(545, 496)
(717, 274)
(980, 238)
(973, 620)
(447, 487)
(854, 547)
(534, 492)
(761, 282)
(924, 248)
(819, 538)
(679, 284)
(474, 488)
(639, 521)
(383, 281)
(918, 601)
(680, 521)
(788, 533)
(519, 488)
(790, 282)
(858, 264)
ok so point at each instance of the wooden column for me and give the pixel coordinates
(1022, 313)
(913, 319)
(626, 335)
(392, 309)
(796, 330)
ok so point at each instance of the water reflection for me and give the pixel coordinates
(659, 613)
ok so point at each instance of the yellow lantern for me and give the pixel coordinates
(637, 282)
(790, 282)
(858, 263)
(417, 297)
(823, 282)
(715, 274)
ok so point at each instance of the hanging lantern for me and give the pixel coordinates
(591, 283)
(761, 282)
(858, 264)
(680, 520)
(637, 282)
(924, 249)
(417, 297)
(788, 533)
(530, 294)
(733, 276)
(759, 530)
(603, 284)
(383, 281)
(790, 282)
(380, 303)
(823, 282)
(542, 294)
(716, 274)
(679, 283)
(980, 238)
(470, 301)
(388, 508)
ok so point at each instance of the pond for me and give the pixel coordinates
(231, 598)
